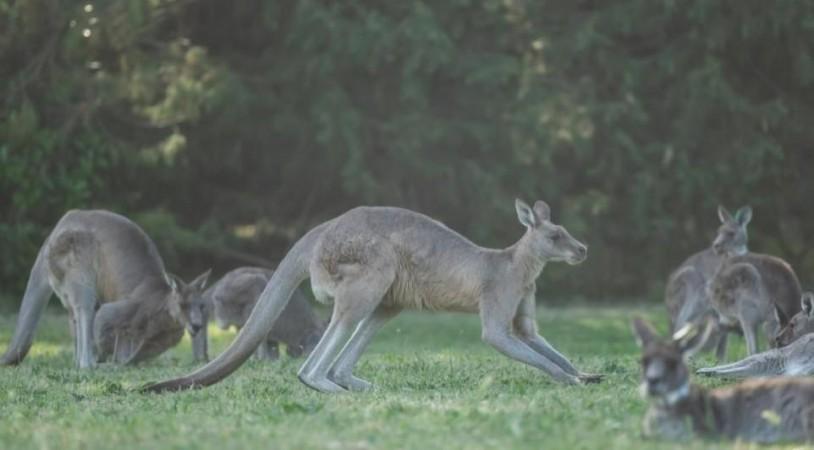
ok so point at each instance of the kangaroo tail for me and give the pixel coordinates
(37, 294)
(293, 269)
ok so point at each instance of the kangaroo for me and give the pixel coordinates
(372, 262)
(233, 297)
(751, 289)
(795, 359)
(799, 325)
(763, 411)
(109, 276)
(686, 291)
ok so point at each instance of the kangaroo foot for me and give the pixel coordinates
(321, 384)
(352, 383)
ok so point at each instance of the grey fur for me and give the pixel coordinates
(686, 291)
(800, 324)
(234, 296)
(372, 262)
(754, 290)
(750, 289)
(765, 411)
(794, 359)
(107, 273)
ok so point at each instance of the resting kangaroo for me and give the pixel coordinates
(766, 411)
(234, 296)
(372, 262)
(686, 291)
(107, 273)
(794, 357)
(751, 289)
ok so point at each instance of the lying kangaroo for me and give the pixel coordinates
(794, 359)
(372, 262)
(107, 272)
(686, 291)
(233, 297)
(751, 289)
(766, 411)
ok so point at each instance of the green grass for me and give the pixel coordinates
(438, 387)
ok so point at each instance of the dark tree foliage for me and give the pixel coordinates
(227, 129)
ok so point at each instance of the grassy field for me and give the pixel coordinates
(438, 387)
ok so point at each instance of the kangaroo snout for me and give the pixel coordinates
(579, 255)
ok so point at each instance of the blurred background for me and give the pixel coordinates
(227, 129)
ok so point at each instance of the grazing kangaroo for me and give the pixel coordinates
(686, 292)
(372, 262)
(765, 411)
(107, 273)
(751, 289)
(233, 297)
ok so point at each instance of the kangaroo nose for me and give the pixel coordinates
(582, 251)
(195, 328)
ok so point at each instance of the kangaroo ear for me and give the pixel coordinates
(744, 215)
(542, 210)
(691, 338)
(200, 282)
(807, 303)
(724, 215)
(643, 331)
(174, 282)
(524, 213)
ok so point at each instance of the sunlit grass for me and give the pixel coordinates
(438, 386)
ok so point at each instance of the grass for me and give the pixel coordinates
(438, 387)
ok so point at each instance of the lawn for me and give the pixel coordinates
(437, 386)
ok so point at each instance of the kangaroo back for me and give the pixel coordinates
(289, 274)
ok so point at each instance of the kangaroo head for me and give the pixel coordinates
(549, 241)
(732, 238)
(186, 302)
(802, 323)
(665, 377)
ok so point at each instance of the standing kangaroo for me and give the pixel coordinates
(751, 289)
(765, 411)
(686, 292)
(108, 275)
(233, 297)
(372, 262)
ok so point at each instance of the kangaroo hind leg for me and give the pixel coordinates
(71, 260)
(82, 301)
(356, 297)
(342, 371)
